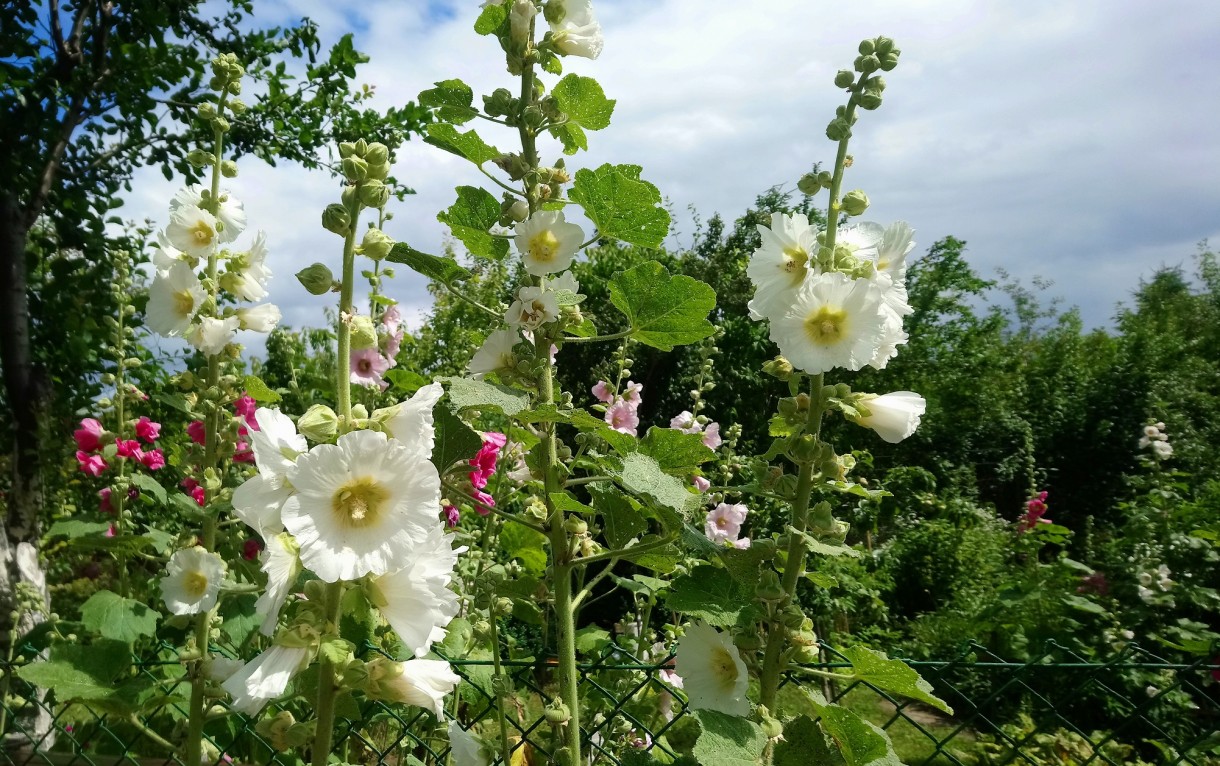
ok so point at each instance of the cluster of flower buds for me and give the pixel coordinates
(375, 347)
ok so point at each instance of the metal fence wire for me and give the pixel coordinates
(1135, 707)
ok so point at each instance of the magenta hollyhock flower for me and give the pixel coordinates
(242, 452)
(368, 365)
(110, 531)
(88, 437)
(486, 500)
(152, 460)
(194, 489)
(91, 464)
(147, 429)
(603, 392)
(723, 524)
(198, 432)
(251, 548)
(245, 407)
(1035, 510)
(200, 495)
(104, 504)
(452, 516)
(622, 417)
(130, 448)
(711, 436)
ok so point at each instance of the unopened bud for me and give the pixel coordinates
(844, 78)
(374, 194)
(377, 153)
(355, 169)
(317, 279)
(779, 367)
(363, 333)
(346, 149)
(336, 219)
(557, 712)
(838, 129)
(855, 202)
(228, 169)
(867, 47)
(319, 423)
(809, 184)
(376, 244)
(199, 158)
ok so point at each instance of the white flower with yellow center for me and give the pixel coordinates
(246, 274)
(547, 242)
(713, 675)
(416, 600)
(261, 318)
(496, 353)
(362, 505)
(164, 254)
(276, 445)
(534, 307)
(411, 422)
(230, 212)
(265, 677)
(834, 322)
(779, 265)
(893, 416)
(423, 683)
(174, 297)
(281, 566)
(192, 581)
(211, 334)
(576, 32)
(193, 231)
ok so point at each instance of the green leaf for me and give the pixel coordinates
(149, 485)
(74, 528)
(455, 441)
(521, 542)
(892, 675)
(590, 639)
(451, 99)
(744, 565)
(259, 391)
(434, 267)
(572, 136)
(122, 619)
(804, 744)
(589, 423)
(621, 519)
(583, 101)
(708, 593)
(727, 740)
(468, 145)
(568, 504)
(642, 476)
(1083, 604)
(621, 205)
(457, 635)
(490, 19)
(470, 218)
(80, 672)
(814, 545)
(676, 452)
(239, 617)
(664, 311)
(405, 382)
(860, 742)
(468, 393)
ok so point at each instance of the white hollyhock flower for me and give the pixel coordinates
(258, 501)
(547, 242)
(230, 212)
(211, 335)
(192, 580)
(895, 245)
(193, 231)
(423, 683)
(893, 416)
(566, 281)
(835, 322)
(411, 423)
(416, 600)
(246, 274)
(361, 506)
(779, 265)
(577, 32)
(713, 675)
(262, 318)
(1162, 450)
(265, 677)
(276, 445)
(465, 747)
(165, 255)
(534, 307)
(892, 336)
(281, 567)
(496, 353)
(174, 297)
(220, 668)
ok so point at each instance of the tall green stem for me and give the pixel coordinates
(324, 734)
(499, 686)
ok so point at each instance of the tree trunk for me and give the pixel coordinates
(27, 393)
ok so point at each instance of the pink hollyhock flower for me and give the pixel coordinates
(245, 407)
(742, 544)
(91, 464)
(89, 436)
(603, 392)
(189, 483)
(631, 393)
(1035, 510)
(110, 531)
(200, 495)
(622, 417)
(723, 524)
(391, 320)
(685, 422)
(711, 436)
(152, 460)
(242, 452)
(251, 548)
(198, 432)
(452, 516)
(147, 429)
(133, 493)
(701, 484)
(368, 365)
(129, 448)
(104, 505)
(486, 500)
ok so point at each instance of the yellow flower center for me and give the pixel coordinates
(195, 584)
(795, 260)
(722, 522)
(826, 326)
(724, 670)
(544, 246)
(359, 502)
(202, 233)
(184, 303)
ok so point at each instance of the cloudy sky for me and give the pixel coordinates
(1076, 141)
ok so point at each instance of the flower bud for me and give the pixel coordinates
(336, 219)
(867, 47)
(844, 78)
(575, 526)
(556, 712)
(317, 279)
(867, 64)
(346, 149)
(890, 60)
(228, 169)
(838, 129)
(363, 333)
(884, 45)
(376, 244)
(237, 106)
(771, 728)
(221, 124)
(199, 158)
(769, 587)
(503, 606)
(809, 184)
(377, 153)
(373, 193)
(355, 169)
(855, 202)
(499, 103)
(791, 616)
(319, 423)
(779, 367)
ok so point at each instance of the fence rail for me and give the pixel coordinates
(1056, 708)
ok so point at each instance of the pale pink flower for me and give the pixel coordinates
(91, 464)
(622, 417)
(701, 484)
(147, 429)
(742, 544)
(368, 365)
(685, 422)
(104, 505)
(603, 392)
(110, 531)
(724, 522)
(711, 436)
(88, 436)
(631, 393)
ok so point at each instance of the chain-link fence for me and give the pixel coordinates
(1057, 708)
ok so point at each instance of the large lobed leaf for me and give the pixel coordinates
(664, 311)
(470, 218)
(122, 619)
(621, 205)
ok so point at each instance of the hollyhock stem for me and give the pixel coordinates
(119, 503)
(498, 685)
(324, 733)
(343, 385)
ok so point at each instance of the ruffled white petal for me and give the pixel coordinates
(264, 678)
